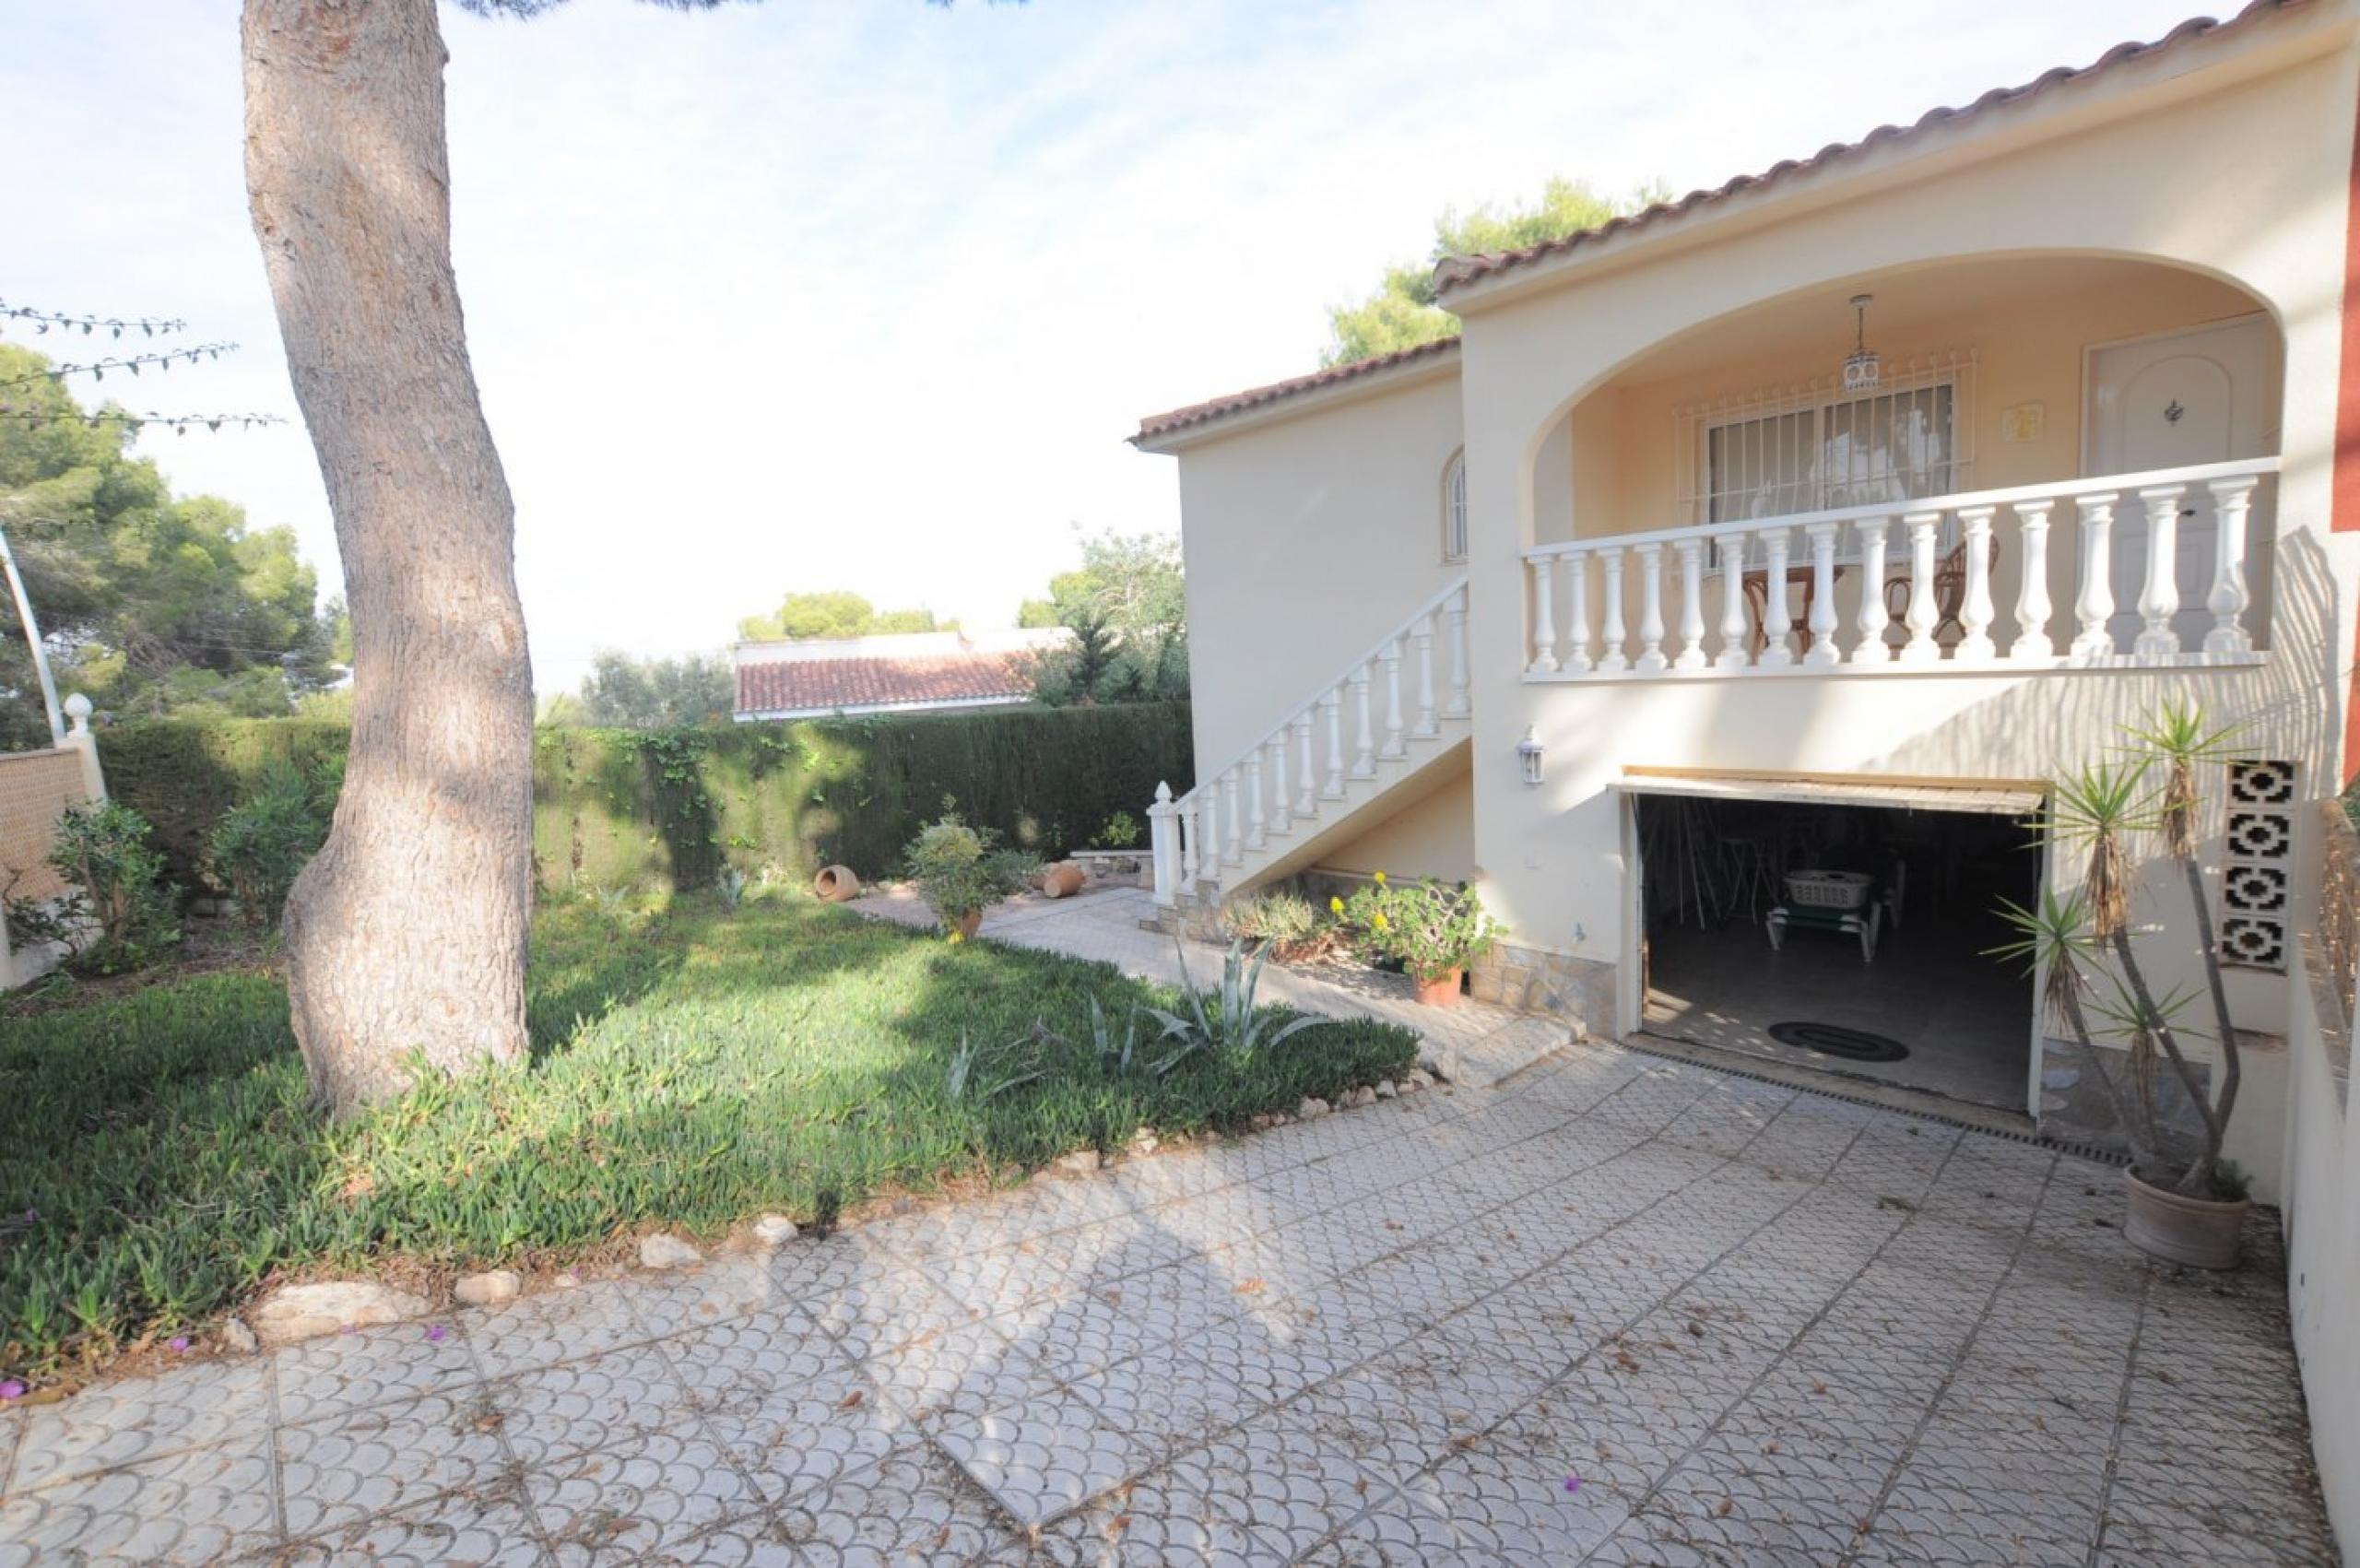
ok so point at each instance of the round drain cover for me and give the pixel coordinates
(1835, 1040)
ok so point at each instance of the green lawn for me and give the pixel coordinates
(693, 1067)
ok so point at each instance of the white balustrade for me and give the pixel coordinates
(2032, 646)
(1823, 651)
(1776, 650)
(1280, 783)
(1390, 662)
(1975, 645)
(1610, 563)
(1959, 553)
(1651, 657)
(2158, 640)
(1875, 618)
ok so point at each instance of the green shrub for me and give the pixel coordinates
(1298, 930)
(692, 1068)
(119, 912)
(261, 845)
(961, 870)
(1427, 929)
(665, 811)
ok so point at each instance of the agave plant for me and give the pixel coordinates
(959, 1079)
(1225, 1023)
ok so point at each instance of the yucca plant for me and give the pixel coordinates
(2093, 969)
(1226, 1021)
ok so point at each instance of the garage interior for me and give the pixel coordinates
(1884, 900)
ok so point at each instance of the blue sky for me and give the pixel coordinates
(867, 294)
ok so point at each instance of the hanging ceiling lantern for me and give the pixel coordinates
(1861, 367)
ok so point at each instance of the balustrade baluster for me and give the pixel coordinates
(2032, 645)
(1163, 845)
(1305, 803)
(1544, 616)
(1577, 654)
(1422, 636)
(1364, 738)
(1651, 657)
(1233, 841)
(1876, 536)
(2159, 600)
(1331, 707)
(1281, 801)
(1925, 612)
(1776, 618)
(1456, 705)
(1192, 834)
(1610, 566)
(1691, 604)
(1975, 645)
(1253, 823)
(1391, 660)
(2093, 604)
(1823, 622)
(2232, 501)
(1734, 652)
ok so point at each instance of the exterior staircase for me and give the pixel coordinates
(1322, 773)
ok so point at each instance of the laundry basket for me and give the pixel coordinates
(1828, 890)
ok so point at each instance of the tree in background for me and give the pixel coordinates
(1127, 606)
(834, 613)
(623, 692)
(153, 604)
(1402, 313)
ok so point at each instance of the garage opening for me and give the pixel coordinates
(1840, 927)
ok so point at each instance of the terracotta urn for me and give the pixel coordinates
(1062, 881)
(1439, 990)
(2195, 1231)
(836, 883)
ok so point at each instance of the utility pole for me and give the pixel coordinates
(32, 640)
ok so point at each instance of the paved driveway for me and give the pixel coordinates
(1615, 1311)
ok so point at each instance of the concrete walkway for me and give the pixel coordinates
(1619, 1311)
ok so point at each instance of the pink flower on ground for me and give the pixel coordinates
(180, 1344)
(1573, 1483)
(436, 1333)
(12, 1389)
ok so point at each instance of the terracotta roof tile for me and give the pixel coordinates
(1334, 375)
(809, 685)
(1457, 272)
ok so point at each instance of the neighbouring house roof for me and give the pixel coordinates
(1156, 426)
(1457, 272)
(811, 687)
(1460, 272)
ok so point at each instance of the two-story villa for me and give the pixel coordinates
(1815, 523)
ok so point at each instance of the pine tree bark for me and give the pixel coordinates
(406, 933)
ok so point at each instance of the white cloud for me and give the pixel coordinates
(808, 295)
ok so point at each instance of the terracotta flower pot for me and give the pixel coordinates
(971, 923)
(1440, 990)
(2195, 1232)
(1062, 881)
(836, 884)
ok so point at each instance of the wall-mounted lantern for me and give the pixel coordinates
(1527, 756)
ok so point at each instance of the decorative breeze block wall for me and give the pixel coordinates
(2257, 901)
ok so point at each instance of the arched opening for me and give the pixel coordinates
(1903, 392)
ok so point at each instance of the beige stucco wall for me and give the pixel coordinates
(1431, 836)
(1306, 541)
(2322, 1212)
(2243, 182)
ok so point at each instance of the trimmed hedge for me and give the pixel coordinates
(650, 809)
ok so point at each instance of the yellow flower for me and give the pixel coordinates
(1335, 906)
(1379, 876)
(1381, 922)
(957, 937)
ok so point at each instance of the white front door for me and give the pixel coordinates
(2170, 402)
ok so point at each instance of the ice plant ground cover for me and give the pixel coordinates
(693, 1066)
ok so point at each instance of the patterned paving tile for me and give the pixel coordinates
(198, 1505)
(913, 1507)
(1045, 1455)
(454, 1531)
(143, 1418)
(370, 1366)
(340, 1469)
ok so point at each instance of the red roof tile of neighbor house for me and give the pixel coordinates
(823, 686)
(1460, 271)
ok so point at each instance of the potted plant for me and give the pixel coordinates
(1432, 931)
(961, 871)
(2186, 1204)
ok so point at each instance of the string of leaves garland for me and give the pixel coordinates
(38, 411)
(657, 809)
